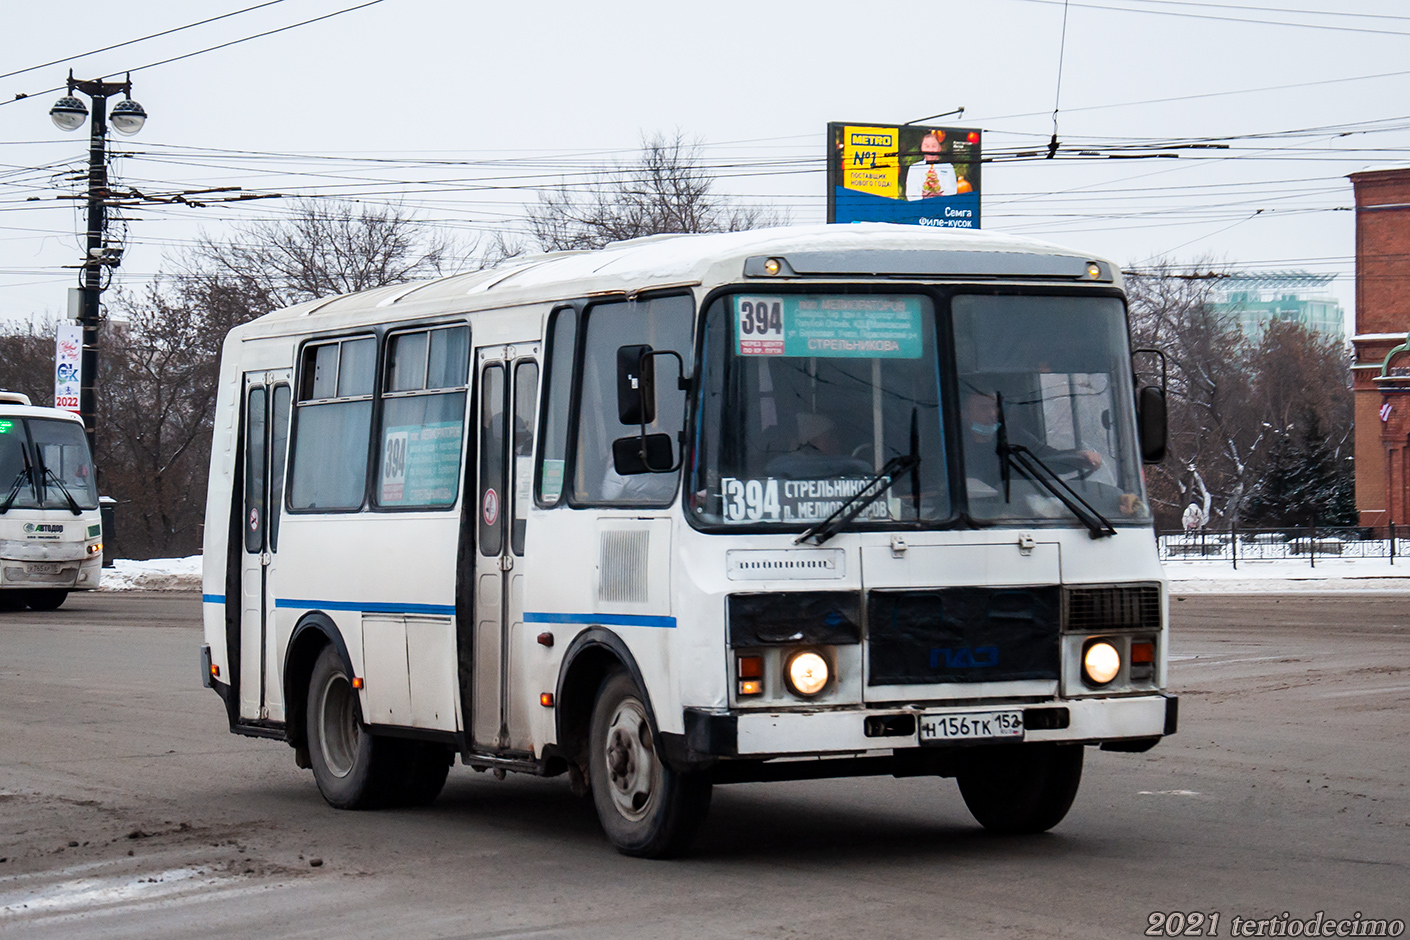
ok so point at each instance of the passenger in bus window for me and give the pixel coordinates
(818, 453)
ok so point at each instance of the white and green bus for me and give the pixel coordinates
(692, 510)
(51, 537)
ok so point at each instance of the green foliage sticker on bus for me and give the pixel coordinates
(835, 326)
(420, 464)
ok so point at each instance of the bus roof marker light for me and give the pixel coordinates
(772, 267)
(1094, 270)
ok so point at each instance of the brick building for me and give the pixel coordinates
(1381, 374)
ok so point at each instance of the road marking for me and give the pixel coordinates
(1195, 661)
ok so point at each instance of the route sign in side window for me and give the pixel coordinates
(423, 419)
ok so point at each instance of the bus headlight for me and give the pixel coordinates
(1100, 663)
(806, 673)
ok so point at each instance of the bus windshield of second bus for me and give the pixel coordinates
(44, 464)
(805, 397)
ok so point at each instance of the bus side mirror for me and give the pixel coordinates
(1151, 423)
(651, 453)
(636, 386)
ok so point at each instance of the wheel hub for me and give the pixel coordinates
(633, 770)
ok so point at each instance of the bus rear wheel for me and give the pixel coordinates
(49, 599)
(1023, 788)
(646, 809)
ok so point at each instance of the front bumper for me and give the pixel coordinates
(1127, 723)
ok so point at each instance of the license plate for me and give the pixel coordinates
(971, 726)
(40, 567)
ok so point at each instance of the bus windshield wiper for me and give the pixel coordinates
(25, 474)
(1016, 456)
(45, 475)
(870, 492)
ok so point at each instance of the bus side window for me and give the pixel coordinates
(663, 323)
(423, 418)
(558, 388)
(333, 425)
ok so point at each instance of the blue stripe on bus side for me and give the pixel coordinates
(366, 607)
(616, 620)
(212, 598)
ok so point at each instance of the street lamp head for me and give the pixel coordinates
(68, 113)
(127, 117)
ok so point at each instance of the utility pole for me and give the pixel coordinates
(127, 118)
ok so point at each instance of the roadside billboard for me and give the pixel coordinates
(909, 173)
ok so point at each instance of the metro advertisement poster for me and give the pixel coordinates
(911, 174)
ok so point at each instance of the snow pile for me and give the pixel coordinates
(1256, 577)
(156, 574)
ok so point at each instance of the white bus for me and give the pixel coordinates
(691, 510)
(51, 538)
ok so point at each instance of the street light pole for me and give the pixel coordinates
(128, 118)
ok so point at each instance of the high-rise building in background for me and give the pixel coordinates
(1257, 298)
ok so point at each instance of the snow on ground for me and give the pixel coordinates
(1186, 577)
(1255, 577)
(156, 574)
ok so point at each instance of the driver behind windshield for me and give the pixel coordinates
(981, 432)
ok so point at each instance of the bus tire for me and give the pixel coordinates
(646, 809)
(422, 773)
(1023, 788)
(49, 599)
(351, 766)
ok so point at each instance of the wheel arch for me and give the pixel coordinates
(312, 633)
(589, 659)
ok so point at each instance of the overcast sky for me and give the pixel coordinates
(461, 110)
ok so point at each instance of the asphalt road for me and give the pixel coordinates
(128, 809)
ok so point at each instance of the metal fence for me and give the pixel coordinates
(1296, 543)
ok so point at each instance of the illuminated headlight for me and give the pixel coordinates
(807, 673)
(1100, 663)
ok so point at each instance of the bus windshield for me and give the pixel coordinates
(40, 459)
(805, 397)
(1050, 375)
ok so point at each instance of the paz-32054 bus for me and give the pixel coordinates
(51, 536)
(692, 510)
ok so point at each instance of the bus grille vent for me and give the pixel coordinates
(622, 567)
(1135, 606)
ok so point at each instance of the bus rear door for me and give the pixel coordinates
(267, 397)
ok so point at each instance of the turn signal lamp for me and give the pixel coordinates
(750, 687)
(1100, 663)
(215, 671)
(806, 673)
(1142, 652)
(95, 548)
(357, 682)
(751, 667)
(546, 699)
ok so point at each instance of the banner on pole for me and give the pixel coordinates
(68, 365)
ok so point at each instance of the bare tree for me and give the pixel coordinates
(324, 248)
(27, 360)
(667, 188)
(1231, 400)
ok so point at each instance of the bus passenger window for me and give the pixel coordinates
(663, 323)
(333, 425)
(423, 419)
(558, 387)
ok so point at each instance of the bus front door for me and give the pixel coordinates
(508, 396)
(265, 445)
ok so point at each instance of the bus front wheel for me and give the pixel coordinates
(1023, 788)
(646, 809)
(45, 599)
(348, 763)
